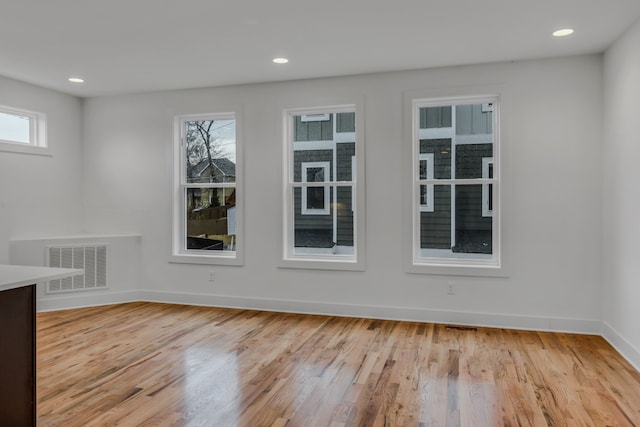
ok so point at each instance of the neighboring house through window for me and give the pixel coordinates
(206, 219)
(322, 213)
(454, 184)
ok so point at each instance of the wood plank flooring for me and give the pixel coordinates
(147, 364)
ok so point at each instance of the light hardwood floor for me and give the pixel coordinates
(146, 364)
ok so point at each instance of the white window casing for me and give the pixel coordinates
(232, 227)
(23, 131)
(454, 261)
(340, 251)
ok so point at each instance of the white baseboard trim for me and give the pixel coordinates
(580, 326)
(622, 345)
(85, 299)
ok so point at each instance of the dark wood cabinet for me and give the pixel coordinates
(18, 357)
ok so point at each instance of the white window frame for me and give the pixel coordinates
(179, 253)
(428, 207)
(37, 143)
(325, 166)
(486, 188)
(324, 261)
(414, 262)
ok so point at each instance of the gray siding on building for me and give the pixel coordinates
(345, 217)
(311, 230)
(473, 231)
(469, 159)
(346, 122)
(313, 131)
(470, 120)
(441, 149)
(317, 230)
(435, 117)
(305, 156)
(435, 227)
(344, 153)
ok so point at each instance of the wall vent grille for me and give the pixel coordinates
(92, 258)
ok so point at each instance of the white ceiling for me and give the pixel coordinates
(122, 46)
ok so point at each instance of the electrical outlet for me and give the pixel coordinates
(212, 276)
(451, 288)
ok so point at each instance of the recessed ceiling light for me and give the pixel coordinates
(563, 32)
(280, 60)
(76, 80)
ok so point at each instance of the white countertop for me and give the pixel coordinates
(16, 276)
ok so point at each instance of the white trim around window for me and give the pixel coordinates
(426, 190)
(325, 173)
(219, 190)
(487, 189)
(23, 131)
(456, 260)
(315, 238)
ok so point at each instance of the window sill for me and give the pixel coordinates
(218, 259)
(9, 147)
(458, 269)
(318, 263)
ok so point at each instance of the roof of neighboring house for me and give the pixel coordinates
(224, 165)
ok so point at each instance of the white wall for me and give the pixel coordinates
(553, 136)
(621, 153)
(42, 195)
(123, 281)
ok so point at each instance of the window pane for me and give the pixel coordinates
(441, 150)
(210, 151)
(315, 198)
(435, 117)
(211, 218)
(435, 226)
(456, 228)
(344, 225)
(331, 232)
(15, 128)
(312, 159)
(315, 174)
(346, 122)
(469, 160)
(454, 220)
(473, 119)
(313, 127)
(320, 216)
(472, 230)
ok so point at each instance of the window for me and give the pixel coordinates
(207, 208)
(487, 189)
(315, 200)
(22, 131)
(323, 226)
(455, 197)
(426, 190)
